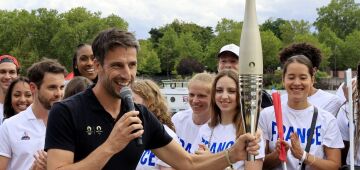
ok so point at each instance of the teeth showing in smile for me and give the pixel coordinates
(22, 106)
(90, 70)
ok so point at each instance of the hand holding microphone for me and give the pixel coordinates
(127, 99)
(127, 127)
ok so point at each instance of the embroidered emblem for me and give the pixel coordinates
(89, 130)
(98, 130)
(25, 136)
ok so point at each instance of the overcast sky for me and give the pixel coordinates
(142, 15)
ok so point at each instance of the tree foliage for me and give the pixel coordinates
(341, 16)
(40, 33)
(180, 47)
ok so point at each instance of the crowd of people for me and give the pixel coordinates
(48, 122)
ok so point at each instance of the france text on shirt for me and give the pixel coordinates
(217, 147)
(302, 133)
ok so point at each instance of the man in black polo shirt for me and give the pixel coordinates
(84, 131)
(228, 58)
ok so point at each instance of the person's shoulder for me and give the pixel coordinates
(170, 131)
(267, 110)
(326, 115)
(182, 115)
(205, 127)
(19, 118)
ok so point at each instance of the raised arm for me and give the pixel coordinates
(180, 159)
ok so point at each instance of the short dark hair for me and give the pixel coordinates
(110, 39)
(8, 108)
(308, 50)
(302, 60)
(76, 85)
(37, 71)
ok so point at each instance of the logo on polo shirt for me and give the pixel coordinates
(25, 136)
(98, 130)
(88, 130)
(92, 130)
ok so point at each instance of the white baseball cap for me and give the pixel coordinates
(231, 48)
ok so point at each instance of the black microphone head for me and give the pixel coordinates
(125, 92)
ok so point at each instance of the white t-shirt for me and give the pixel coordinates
(149, 161)
(326, 132)
(322, 99)
(1, 113)
(223, 137)
(340, 91)
(185, 128)
(21, 136)
(343, 122)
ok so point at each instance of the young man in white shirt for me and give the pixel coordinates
(9, 70)
(23, 135)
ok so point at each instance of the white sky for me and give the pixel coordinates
(142, 15)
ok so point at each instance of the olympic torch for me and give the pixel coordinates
(250, 70)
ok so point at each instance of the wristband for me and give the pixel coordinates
(227, 157)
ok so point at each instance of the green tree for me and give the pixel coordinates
(273, 25)
(341, 16)
(148, 60)
(290, 29)
(271, 46)
(166, 51)
(350, 51)
(330, 39)
(187, 47)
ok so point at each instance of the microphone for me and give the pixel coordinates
(127, 98)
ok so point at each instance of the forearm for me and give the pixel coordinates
(321, 164)
(94, 161)
(206, 161)
(271, 160)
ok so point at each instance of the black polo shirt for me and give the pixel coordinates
(80, 124)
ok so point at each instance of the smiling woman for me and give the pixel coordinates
(18, 97)
(311, 134)
(83, 62)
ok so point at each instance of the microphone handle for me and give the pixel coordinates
(130, 103)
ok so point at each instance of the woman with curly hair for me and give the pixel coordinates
(147, 93)
(317, 97)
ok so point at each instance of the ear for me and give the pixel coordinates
(33, 87)
(97, 64)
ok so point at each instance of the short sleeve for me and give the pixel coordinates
(60, 131)
(343, 124)
(155, 131)
(332, 137)
(5, 148)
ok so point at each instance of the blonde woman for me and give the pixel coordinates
(147, 93)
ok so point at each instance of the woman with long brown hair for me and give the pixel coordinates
(226, 123)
